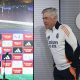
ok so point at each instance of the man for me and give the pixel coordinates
(63, 45)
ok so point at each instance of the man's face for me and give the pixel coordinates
(49, 21)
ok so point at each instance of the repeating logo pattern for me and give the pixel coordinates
(20, 57)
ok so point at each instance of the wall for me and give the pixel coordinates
(43, 62)
(69, 10)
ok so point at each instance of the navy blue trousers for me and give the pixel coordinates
(63, 74)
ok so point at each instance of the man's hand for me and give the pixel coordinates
(73, 72)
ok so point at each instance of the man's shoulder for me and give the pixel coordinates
(65, 26)
(66, 29)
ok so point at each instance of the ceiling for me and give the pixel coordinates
(14, 2)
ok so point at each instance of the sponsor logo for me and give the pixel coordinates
(17, 70)
(6, 57)
(17, 36)
(6, 43)
(7, 36)
(28, 70)
(28, 64)
(17, 64)
(17, 57)
(28, 43)
(17, 43)
(28, 36)
(17, 50)
(4, 50)
(7, 64)
(52, 44)
(28, 57)
(28, 50)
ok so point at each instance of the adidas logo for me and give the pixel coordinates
(7, 57)
(28, 44)
(17, 50)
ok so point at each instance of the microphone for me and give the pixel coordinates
(4, 78)
(7, 53)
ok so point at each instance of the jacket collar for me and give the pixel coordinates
(57, 25)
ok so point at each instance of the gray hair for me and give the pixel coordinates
(50, 10)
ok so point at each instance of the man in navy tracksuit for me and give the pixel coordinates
(63, 45)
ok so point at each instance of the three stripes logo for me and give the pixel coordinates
(28, 43)
(17, 50)
(8, 57)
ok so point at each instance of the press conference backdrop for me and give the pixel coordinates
(16, 37)
(43, 62)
